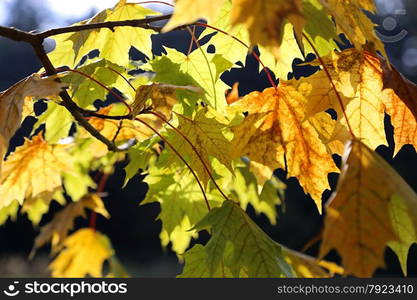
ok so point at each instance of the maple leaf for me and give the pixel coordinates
(404, 227)
(58, 121)
(182, 204)
(319, 29)
(198, 69)
(9, 211)
(189, 11)
(237, 243)
(241, 185)
(357, 76)
(352, 21)
(56, 231)
(12, 103)
(358, 218)
(399, 98)
(139, 157)
(33, 170)
(278, 134)
(113, 45)
(84, 254)
(162, 96)
(208, 132)
(264, 20)
(85, 91)
(35, 208)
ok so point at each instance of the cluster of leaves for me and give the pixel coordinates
(207, 156)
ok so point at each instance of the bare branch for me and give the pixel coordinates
(142, 23)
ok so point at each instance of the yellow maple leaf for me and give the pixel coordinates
(85, 252)
(352, 21)
(14, 107)
(33, 170)
(358, 222)
(57, 230)
(399, 98)
(189, 11)
(113, 44)
(357, 77)
(278, 134)
(264, 20)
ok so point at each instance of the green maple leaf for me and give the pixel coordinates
(242, 186)
(200, 68)
(238, 243)
(57, 120)
(210, 136)
(182, 204)
(229, 48)
(84, 91)
(139, 158)
(113, 45)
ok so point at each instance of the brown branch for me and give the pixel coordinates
(142, 23)
(67, 102)
(36, 40)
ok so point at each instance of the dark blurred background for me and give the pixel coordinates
(132, 228)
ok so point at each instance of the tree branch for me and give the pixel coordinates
(70, 105)
(36, 40)
(142, 23)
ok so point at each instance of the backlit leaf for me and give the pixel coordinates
(57, 230)
(238, 243)
(84, 254)
(358, 217)
(12, 102)
(34, 170)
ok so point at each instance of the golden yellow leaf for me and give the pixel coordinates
(13, 106)
(277, 133)
(57, 230)
(357, 76)
(352, 21)
(400, 100)
(358, 222)
(264, 19)
(33, 170)
(85, 252)
(189, 11)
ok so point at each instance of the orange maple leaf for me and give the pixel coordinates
(277, 133)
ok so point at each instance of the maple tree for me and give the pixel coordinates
(207, 154)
